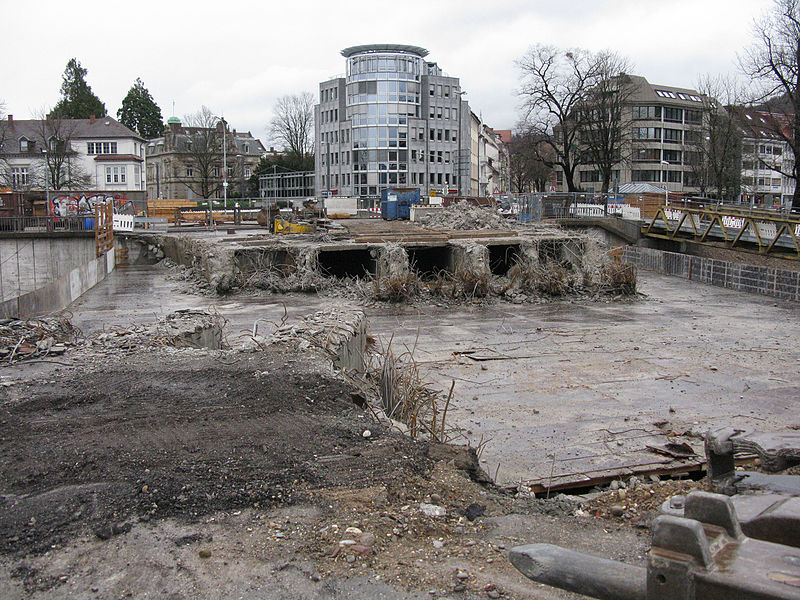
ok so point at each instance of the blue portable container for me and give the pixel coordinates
(402, 198)
(389, 210)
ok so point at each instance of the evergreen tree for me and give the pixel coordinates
(140, 112)
(77, 99)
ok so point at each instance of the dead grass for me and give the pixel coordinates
(618, 278)
(399, 288)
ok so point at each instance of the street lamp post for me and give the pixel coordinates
(241, 167)
(224, 164)
(666, 189)
(47, 183)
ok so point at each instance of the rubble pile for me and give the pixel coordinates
(26, 338)
(463, 215)
(185, 328)
(339, 332)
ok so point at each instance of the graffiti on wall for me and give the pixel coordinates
(69, 206)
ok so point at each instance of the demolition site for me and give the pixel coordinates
(460, 405)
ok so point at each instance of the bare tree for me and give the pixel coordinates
(528, 172)
(292, 127)
(555, 85)
(774, 62)
(200, 145)
(606, 116)
(59, 167)
(715, 144)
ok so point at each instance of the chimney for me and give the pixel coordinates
(10, 117)
(91, 119)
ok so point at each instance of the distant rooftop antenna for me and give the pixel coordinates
(173, 107)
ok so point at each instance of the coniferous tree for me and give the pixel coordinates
(139, 112)
(77, 99)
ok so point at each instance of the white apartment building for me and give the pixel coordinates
(101, 153)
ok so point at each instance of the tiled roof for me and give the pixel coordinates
(103, 128)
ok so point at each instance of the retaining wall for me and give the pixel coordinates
(768, 281)
(65, 282)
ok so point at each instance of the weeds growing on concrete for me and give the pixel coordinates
(398, 288)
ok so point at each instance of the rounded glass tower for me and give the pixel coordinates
(382, 94)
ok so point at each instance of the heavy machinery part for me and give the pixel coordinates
(580, 573)
(703, 555)
(283, 226)
(777, 451)
(769, 517)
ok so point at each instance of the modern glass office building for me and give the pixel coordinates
(393, 120)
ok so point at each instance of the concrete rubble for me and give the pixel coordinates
(340, 333)
(29, 338)
(466, 216)
(180, 329)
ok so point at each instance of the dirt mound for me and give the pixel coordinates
(168, 432)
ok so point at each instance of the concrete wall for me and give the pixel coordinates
(45, 275)
(28, 263)
(768, 281)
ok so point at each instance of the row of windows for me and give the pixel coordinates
(382, 114)
(383, 64)
(101, 148)
(652, 175)
(116, 174)
(674, 136)
(762, 149)
(441, 90)
(681, 95)
(328, 94)
(443, 112)
(763, 181)
(329, 116)
(670, 114)
(656, 155)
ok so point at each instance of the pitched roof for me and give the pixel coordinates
(103, 128)
(760, 124)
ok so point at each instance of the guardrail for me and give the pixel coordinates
(48, 223)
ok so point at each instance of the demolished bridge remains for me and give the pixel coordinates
(516, 262)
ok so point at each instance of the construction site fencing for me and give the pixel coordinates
(566, 205)
(48, 223)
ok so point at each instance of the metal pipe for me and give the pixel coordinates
(580, 573)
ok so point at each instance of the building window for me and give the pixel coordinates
(672, 156)
(23, 145)
(116, 174)
(101, 147)
(674, 115)
(647, 133)
(646, 155)
(189, 172)
(645, 175)
(647, 112)
(247, 172)
(673, 136)
(19, 176)
(694, 117)
(590, 176)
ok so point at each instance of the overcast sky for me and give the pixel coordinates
(237, 57)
